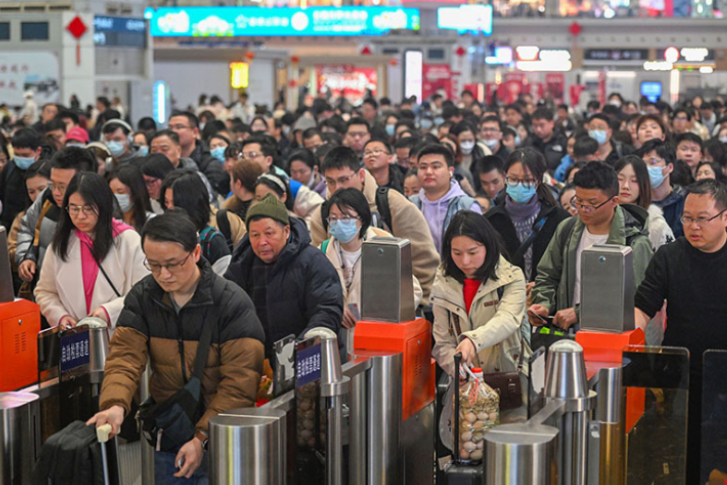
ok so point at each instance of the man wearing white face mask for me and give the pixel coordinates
(609, 150)
(491, 136)
(116, 136)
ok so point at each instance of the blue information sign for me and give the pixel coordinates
(104, 23)
(307, 365)
(74, 350)
(279, 21)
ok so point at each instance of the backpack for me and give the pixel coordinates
(382, 220)
(205, 240)
(69, 457)
(223, 225)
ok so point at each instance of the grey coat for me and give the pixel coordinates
(27, 231)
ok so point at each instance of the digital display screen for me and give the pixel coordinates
(413, 68)
(281, 21)
(652, 90)
(466, 18)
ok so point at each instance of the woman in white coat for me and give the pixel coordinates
(93, 260)
(349, 223)
(479, 302)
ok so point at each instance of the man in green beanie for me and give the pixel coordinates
(292, 284)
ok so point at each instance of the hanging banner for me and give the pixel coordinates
(513, 84)
(437, 78)
(347, 81)
(555, 87)
(575, 94)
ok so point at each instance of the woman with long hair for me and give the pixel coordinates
(635, 188)
(300, 201)
(129, 188)
(93, 261)
(530, 215)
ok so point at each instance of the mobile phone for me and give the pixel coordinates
(353, 308)
(180, 463)
(544, 320)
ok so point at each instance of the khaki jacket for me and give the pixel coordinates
(408, 222)
(492, 324)
(237, 225)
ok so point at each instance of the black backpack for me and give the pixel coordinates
(382, 220)
(69, 457)
(223, 225)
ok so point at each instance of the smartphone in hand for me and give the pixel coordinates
(543, 320)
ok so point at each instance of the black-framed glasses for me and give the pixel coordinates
(74, 210)
(587, 207)
(156, 268)
(688, 221)
(528, 183)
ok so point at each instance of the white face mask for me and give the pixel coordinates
(124, 201)
(467, 147)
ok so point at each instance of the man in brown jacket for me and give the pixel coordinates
(342, 170)
(162, 322)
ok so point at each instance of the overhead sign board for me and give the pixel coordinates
(466, 18)
(119, 31)
(280, 21)
(616, 55)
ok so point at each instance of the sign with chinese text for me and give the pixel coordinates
(36, 71)
(347, 81)
(74, 350)
(307, 364)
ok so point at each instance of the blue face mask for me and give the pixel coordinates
(219, 153)
(116, 148)
(438, 121)
(519, 194)
(390, 130)
(656, 176)
(23, 163)
(599, 135)
(425, 124)
(143, 150)
(344, 230)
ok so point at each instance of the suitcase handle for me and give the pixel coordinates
(103, 433)
(457, 363)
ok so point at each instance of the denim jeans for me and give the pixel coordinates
(165, 468)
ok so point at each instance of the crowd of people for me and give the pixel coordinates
(255, 221)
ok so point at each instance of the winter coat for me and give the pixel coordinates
(501, 221)
(210, 167)
(237, 225)
(553, 150)
(60, 289)
(150, 329)
(556, 278)
(493, 323)
(408, 222)
(439, 213)
(303, 290)
(306, 200)
(13, 193)
(26, 235)
(659, 231)
(673, 207)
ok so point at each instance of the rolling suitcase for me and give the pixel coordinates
(456, 472)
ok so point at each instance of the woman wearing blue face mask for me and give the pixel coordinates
(348, 216)
(218, 145)
(127, 184)
(530, 214)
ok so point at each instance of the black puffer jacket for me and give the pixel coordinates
(501, 221)
(211, 167)
(303, 289)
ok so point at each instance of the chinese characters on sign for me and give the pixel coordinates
(74, 351)
(36, 71)
(308, 365)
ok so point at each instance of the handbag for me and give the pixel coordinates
(167, 426)
(26, 289)
(507, 384)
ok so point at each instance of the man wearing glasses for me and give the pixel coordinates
(491, 135)
(379, 161)
(689, 274)
(162, 322)
(601, 220)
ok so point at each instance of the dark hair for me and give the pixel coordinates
(268, 145)
(543, 114)
(642, 177)
(219, 137)
(715, 148)
(75, 158)
(356, 120)
(593, 104)
(112, 126)
(212, 128)
(104, 101)
(96, 193)
(54, 124)
(584, 146)
(234, 150)
(432, 149)
(686, 111)
(716, 168)
(68, 114)
(710, 187)
(383, 141)
(173, 226)
(168, 133)
(372, 102)
(408, 142)
(572, 167)
(302, 155)
(147, 123)
(597, 175)
(492, 119)
(188, 193)
(311, 132)
(132, 177)
(322, 151)
(600, 116)
(409, 123)
(157, 165)
(191, 117)
(656, 119)
(339, 158)
(463, 126)
(662, 148)
(479, 229)
(259, 118)
(486, 164)
(276, 187)
(534, 161)
(688, 137)
(412, 172)
(26, 138)
(247, 172)
(349, 198)
(682, 174)
(40, 168)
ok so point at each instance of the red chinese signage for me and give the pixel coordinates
(347, 81)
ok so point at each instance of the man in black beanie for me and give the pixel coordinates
(292, 284)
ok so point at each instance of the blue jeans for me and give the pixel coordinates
(165, 468)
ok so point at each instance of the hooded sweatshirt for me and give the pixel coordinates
(438, 213)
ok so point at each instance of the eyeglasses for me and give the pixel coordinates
(251, 155)
(171, 267)
(527, 183)
(59, 187)
(357, 134)
(688, 221)
(375, 153)
(179, 127)
(74, 210)
(654, 161)
(149, 183)
(587, 207)
(341, 181)
(344, 217)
